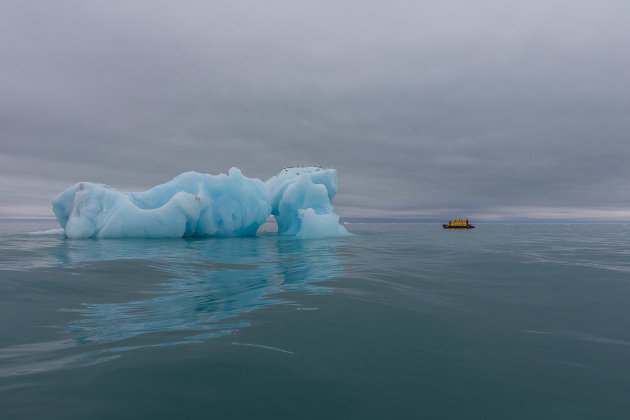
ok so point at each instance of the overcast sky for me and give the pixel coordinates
(491, 110)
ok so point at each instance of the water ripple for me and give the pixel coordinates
(195, 285)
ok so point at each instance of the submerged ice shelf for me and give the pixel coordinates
(195, 204)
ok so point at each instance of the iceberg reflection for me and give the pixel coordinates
(210, 281)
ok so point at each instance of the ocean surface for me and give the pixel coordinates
(410, 321)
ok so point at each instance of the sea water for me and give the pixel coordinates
(397, 321)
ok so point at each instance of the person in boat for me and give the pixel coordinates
(466, 222)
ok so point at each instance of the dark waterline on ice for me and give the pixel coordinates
(398, 321)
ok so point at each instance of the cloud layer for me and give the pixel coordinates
(479, 109)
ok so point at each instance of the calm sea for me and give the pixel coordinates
(397, 321)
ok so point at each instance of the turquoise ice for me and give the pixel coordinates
(195, 204)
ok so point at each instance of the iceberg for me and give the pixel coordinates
(195, 204)
(302, 202)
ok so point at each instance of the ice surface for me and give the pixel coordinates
(192, 204)
(195, 204)
(302, 202)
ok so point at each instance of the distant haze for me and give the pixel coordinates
(491, 110)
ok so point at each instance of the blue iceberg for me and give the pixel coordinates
(302, 202)
(195, 204)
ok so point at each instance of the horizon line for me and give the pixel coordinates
(398, 220)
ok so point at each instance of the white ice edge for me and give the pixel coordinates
(51, 232)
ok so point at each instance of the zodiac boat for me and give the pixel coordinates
(457, 225)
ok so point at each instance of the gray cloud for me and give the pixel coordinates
(492, 109)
